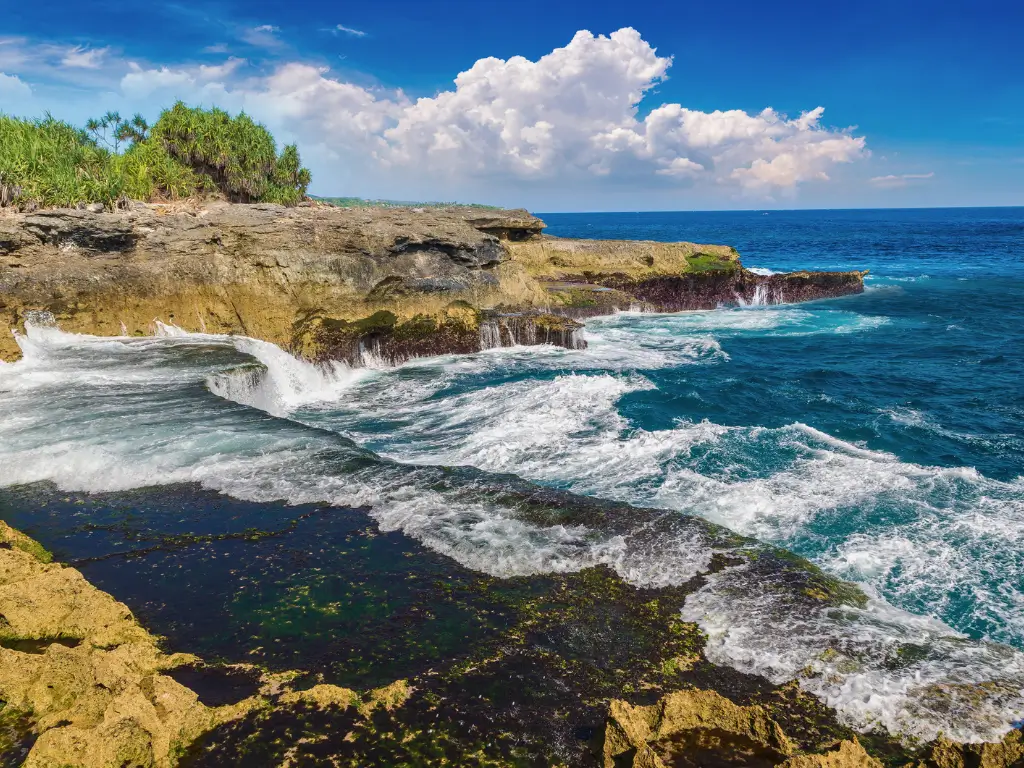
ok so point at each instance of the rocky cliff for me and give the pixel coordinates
(355, 284)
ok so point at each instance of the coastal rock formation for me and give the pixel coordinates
(697, 728)
(686, 723)
(1009, 753)
(86, 683)
(571, 669)
(360, 285)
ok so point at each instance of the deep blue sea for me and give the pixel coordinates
(879, 435)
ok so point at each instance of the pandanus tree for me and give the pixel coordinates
(237, 154)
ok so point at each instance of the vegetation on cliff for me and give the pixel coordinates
(188, 152)
(362, 202)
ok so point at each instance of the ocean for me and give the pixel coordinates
(880, 436)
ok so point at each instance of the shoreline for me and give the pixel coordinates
(341, 284)
(779, 724)
(603, 669)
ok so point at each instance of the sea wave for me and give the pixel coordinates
(111, 414)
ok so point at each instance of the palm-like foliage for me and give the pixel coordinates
(238, 154)
(187, 153)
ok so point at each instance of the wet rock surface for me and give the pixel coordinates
(102, 700)
(327, 642)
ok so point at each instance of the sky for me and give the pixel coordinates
(569, 106)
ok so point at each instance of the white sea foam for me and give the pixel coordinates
(955, 526)
(877, 666)
(285, 383)
(112, 414)
(89, 420)
(761, 271)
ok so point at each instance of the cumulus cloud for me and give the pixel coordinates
(892, 181)
(577, 115)
(572, 113)
(84, 58)
(11, 86)
(139, 82)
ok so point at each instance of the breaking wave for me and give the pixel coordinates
(96, 414)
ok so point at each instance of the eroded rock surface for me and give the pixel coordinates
(576, 669)
(88, 681)
(355, 284)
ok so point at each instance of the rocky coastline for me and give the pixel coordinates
(359, 285)
(578, 669)
(571, 670)
(385, 653)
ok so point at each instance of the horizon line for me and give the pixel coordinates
(799, 210)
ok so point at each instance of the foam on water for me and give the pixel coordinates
(285, 382)
(879, 667)
(782, 484)
(112, 414)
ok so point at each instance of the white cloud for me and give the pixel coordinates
(350, 31)
(12, 52)
(140, 83)
(263, 36)
(570, 119)
(572, 113)
(84, 58)
(220, 71)
(893, 181)
(11, 86)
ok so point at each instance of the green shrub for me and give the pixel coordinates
(236, 153)
(189, 152)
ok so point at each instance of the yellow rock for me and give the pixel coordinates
(98, 698)
(1005, 754)
(323, 696)
(646, 730)
(849, 754)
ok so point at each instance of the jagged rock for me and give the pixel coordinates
(687, 724)
(90, 679)
(697, 728)
(323, 696)
(515, 225)
(848, 754)
(1009, 753)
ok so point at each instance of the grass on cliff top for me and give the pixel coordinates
(189, 152)
(360, 202)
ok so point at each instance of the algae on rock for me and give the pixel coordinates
(94, 691)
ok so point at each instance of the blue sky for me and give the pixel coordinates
(923, 102)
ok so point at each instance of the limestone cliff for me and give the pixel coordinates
(353, 284)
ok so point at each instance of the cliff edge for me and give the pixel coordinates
(355, 284)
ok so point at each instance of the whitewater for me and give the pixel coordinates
(879, 436)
